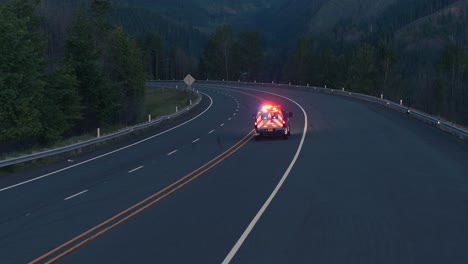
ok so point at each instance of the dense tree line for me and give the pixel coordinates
(232, 56)
(165, 63)
(431, 78)
(412, 51)
(88, 72)
(98, 81)
(170, 49)
(22, 79)
(439, 87)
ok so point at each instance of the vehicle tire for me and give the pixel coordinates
(289, 131)
(285, 137)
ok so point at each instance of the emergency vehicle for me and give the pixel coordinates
(272, 120)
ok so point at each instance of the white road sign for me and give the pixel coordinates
(189, 80)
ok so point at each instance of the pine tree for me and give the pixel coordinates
(452, 66)
(363, 71)
(438, 96)
(248, 55)
(21, 72)
(152, 54)
(218, 54)
(83, 55)
(299, 64)
(327, 69)
(62, 105)
(126, 72)
(386, 58)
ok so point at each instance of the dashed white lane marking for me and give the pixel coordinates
(211, 131)
(229, 118)
(135, 169)
(234, 114)
(172, 152)
(195, 140)
(222, 124)
(114, 151)
(75, 195)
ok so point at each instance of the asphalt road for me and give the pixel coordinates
(363, 184)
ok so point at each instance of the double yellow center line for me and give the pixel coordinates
(85, 237)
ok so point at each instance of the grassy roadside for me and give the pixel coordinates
(163, 101)
(158, 102)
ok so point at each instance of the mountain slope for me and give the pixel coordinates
(442, 23)
(138, 21)
(59, 14)
(205, 15)
(334, 11)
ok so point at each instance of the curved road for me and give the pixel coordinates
(355, 183)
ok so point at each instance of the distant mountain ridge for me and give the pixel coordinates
(281, 21)
(286, 18)
(131, 15)
(332, 12)
(205, 15)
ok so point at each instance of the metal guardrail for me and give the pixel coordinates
(86, 143)
(441, 124)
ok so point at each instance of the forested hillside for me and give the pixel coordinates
(97, 80)
(137, 21)
(410, 50)
(206, 15)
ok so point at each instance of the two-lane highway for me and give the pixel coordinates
(46, 213)
(363, 185)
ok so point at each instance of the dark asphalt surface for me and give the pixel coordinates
(370, 186)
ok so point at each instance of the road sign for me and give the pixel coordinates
(189, 80)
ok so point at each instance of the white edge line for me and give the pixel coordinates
(135, 169)
(259, 214)
(195, 140)
(172, 152)
(75, 195)
(114, 151)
